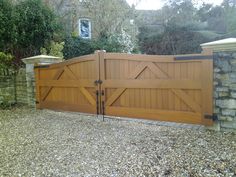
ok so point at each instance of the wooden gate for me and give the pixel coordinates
(68, 85)
(166, 88)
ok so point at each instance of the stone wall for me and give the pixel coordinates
(7, 87)
(13, 88)
(225, 89)
(21, 86)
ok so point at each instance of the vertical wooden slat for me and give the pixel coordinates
(37, 78)
(183, 75)
(171, 96)
(126, 75)
(207, 90)
(177, 76)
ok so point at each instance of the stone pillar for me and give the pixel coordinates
(30, 62)
(224, 59)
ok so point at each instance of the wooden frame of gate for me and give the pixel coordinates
(166, 88)
(69, 85)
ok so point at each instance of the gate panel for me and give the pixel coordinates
(68, 85)
(156, 87)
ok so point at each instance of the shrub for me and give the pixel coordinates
(26, 26)
(75, 47)
(7, 26)
(6, 105)
(5, 61)
(54, 49)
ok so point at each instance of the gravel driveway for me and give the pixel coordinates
(47, 143)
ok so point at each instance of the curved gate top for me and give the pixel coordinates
(157, 87)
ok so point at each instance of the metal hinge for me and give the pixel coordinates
(41, 66)
(213, 117)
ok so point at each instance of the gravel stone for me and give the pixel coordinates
(48, 143)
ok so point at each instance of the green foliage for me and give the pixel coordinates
(211, 35)
(230, 13)
(186, 27)
(174, 40)
(6, 105)
(7, 26)
(26, 26)
(180, 12)
(54, 49)
(6, 61)
(35, 25)
(110, 44)
(75, 46)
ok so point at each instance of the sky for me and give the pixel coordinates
(157, 4)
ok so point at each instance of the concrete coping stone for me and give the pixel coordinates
(228, 44)
(42, 59)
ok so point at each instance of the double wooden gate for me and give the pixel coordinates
(167, 88)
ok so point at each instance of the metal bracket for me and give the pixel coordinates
(199, 57)
(41, 66)
(213, 117)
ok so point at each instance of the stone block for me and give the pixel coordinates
(233, 77)
(218, 76)
(224, 77)
(223, 64)
(233, 65)
(216, 110)
(215, 83)
(216, 95)
(234, 56)
(226, 83)
(228, 125)
(223, 94)
(223, 55)
(233, 94)
(217, 70)
(233, 87)
(226, 103)
(230, 119)
(222, 89)
(228, 112)
(222, 118)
